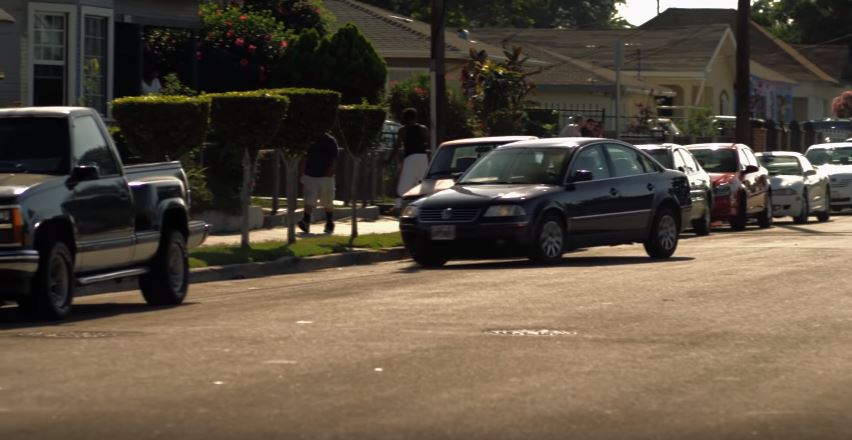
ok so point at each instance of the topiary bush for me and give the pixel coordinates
(311, 113)
(359, 127)
(415, 93)
(158, 128)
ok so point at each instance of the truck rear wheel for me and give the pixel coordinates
(52, 288)
(168, 280)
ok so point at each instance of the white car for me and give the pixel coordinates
(799, 190)
(835, 160)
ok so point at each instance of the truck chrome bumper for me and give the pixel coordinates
(198, 231)
(23, 263)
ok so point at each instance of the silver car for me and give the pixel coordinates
(799, 190)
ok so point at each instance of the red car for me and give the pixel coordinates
(741, 187)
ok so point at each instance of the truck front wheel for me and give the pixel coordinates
(167, 281)
(52, 288)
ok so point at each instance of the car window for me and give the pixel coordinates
(452, 160)
(662, 156)
(648, 164)
(722, 160)
(750, 159)
(678, 161)
(544, 166)
(624, 161)
(90, 146)
(833, 156)
(781, 165)
(591, 158)
(34, 145)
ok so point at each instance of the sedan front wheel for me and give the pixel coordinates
(663, 239)
(549, 240)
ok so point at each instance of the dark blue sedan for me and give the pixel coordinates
(541, 198)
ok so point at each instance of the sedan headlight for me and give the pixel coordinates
(784, 192)
(505, 211)
(11, 226)
(722, 190)
(410, 211)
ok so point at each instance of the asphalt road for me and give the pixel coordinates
(740, 335)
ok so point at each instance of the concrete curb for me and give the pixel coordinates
(288, 265)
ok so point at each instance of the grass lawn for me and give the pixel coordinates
(205, 256)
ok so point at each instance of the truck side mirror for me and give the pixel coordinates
(83, 173)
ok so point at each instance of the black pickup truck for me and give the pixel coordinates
(72, 215)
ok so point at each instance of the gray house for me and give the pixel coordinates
(79, 52)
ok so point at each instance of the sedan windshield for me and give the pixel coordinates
(662, 156)
(34, 145)
(722, 160)
(781, 165)
(455, 160)
(832, 156)
(544, 166)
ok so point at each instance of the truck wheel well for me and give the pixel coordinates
(175, 220)
(53, 231)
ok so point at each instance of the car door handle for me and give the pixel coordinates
(650, 187)
(613, 192)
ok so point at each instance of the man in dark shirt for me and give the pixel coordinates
(318, 181)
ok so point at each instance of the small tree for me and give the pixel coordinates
(415, 93)
(296, 15)
(247, 122)
(311, 113)
(841, 106)
(160, 128)
(359, 127)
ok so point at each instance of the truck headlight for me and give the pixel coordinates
(11, 226)
(410, 211)
(505, 211)
(722, 190)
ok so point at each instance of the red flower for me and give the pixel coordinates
(243, 17)
(244, 62)
(283, 43)
(252, 48)
(419, 91)
(229, 34)
(239, 42)
(199, 56)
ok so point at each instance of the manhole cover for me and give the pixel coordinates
(532, 332)
(69, 335)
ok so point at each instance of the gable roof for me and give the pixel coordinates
(765, 47)
(834, 59)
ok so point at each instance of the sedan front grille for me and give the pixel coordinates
(448, 215)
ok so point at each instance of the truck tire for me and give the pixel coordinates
(52, 288)
(167, 281)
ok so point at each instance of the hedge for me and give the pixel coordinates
(359, 127)
(157, 128)
(311, 113)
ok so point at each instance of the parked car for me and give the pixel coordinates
(452, 159)
(741, 187)
(677, 157)
(542, 197)
(72, 214)
(798, 189)
(835, 160)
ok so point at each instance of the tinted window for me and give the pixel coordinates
(834, 156)
(662, 156)
(722, 160)
(90, 146)
(750, 159)
(679, 163)
(34, 145)
(781, 165)
(592, 159)
(625, 161)
(457, 159)
(519, 165)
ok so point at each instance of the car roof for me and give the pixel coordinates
(487, 140)
(44, 112)
(666, 146)
(830, 145)
(716, 145)
(567, 142)
(779, 153)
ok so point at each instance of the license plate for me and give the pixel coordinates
(443, 232)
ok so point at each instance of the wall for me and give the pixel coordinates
(11, 43)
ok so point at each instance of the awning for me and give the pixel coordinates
(5, 17)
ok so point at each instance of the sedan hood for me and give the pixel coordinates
(476, 195)
(12, 185)
(784, 181)
(428, 186)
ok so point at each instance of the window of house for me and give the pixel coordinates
(50, 58)
(95, 54)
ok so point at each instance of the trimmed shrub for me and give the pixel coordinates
(359, 126)
(415, 93)
(157, 128)
(311, 113)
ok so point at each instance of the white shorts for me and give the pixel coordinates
(413, 170)
(318, 188)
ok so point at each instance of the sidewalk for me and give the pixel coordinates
(342, 227)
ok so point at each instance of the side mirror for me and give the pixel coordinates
(83, 174)
(582, 176)
(810, 173)
(681, 169)
(751, 169)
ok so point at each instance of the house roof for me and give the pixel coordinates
(834, 59)
(766, 49)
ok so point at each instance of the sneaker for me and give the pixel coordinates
(304, 226)
(329, 228)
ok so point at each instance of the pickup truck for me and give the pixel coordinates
(71, 214)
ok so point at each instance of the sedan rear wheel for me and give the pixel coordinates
(802, 218)
(550, 240)
(765, 219)
(702, 225)
(663, 239)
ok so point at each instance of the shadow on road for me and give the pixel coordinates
(568, 261)
(11, 318)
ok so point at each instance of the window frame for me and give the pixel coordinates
(574, 157)
(71, 65)
(91, 11)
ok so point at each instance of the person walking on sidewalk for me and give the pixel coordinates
(318, 181)
(414, 139)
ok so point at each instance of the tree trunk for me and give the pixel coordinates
(292, 164)
(246, 202)
(353, 197)
(276, 180)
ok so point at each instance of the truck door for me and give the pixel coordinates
(101, 207)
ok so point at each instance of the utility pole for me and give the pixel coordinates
(743, 84)
(437, 69)
(619, 48)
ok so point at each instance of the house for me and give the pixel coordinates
(80, 52)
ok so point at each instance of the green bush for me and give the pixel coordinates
(157, 128)
(359, 126)
(311, 113)
(700, 122)
(415, 92)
